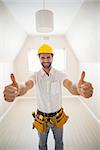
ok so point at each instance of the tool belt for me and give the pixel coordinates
(42, 120)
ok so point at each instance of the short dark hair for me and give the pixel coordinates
(51, 54)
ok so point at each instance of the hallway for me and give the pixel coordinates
(75, 40)
(81, 132)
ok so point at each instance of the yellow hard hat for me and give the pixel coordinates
(45, 48)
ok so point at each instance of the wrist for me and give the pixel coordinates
(77, 89)
(21, 89)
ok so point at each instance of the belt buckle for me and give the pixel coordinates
(45, 114)
(48, 115)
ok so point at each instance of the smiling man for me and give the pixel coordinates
(48, 82)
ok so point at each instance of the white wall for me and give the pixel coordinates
(11, 35)
(98, 89)
(93, 75)
(84, 37)
(11, 39)
(82, 34)
(33, 42)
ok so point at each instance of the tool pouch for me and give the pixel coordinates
(61, 120)
(39, 124)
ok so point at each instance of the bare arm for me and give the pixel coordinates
(72, 88)
(24, 88)
(82, 88)
(11, 91)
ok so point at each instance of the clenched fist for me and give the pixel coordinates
(11, 91)
(85, 89)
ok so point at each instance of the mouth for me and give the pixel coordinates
(46, 65)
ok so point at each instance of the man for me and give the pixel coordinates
(48, 83)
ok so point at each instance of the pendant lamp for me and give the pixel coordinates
(44, 20)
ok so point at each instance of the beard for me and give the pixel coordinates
(46, 65)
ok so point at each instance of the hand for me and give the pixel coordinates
(12, 90)
(85, 89)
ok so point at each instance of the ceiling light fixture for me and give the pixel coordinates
(44, 20)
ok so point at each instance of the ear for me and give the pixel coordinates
(52, 54)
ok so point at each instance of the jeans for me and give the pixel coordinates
(58, 136)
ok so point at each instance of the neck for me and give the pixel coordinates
(47, 70)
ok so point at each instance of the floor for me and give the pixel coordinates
(80, 133)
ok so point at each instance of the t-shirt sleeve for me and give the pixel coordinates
(62, 77)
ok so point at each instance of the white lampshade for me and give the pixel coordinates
(44, 21)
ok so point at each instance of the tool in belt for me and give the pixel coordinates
(42, 120)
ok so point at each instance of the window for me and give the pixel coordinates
(59, 60)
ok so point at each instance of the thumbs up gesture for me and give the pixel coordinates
(12, 90)
(14, 82)
(85, 89)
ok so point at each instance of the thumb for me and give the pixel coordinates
(14, 82)
(81, 81)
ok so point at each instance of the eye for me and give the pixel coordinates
(48, 57)
(42, 58)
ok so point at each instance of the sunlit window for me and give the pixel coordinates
(59, 60)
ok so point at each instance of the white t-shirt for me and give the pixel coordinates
(49, 90)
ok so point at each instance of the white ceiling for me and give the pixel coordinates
(24, 13)
(75, 18)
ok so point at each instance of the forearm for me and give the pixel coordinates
(82, 88)
(72, 88)
(24, 88)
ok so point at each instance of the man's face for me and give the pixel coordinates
(46, 60)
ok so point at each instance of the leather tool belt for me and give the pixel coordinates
(42, 120)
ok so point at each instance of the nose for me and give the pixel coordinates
(45, 60)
